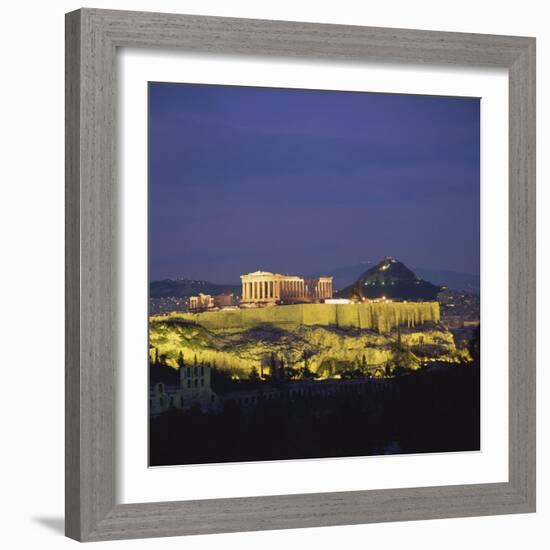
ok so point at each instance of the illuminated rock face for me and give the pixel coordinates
(330, 336)
(378, 316)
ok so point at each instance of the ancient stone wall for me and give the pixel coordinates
(379, 316)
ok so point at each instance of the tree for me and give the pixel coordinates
(305, 359)
(474, 344)
(181, 362)
(403, 358)
(282, 373)
(332, 367)
(307, 374)
(156, 362)
(254, 376)
(356, 294)
(273, 366)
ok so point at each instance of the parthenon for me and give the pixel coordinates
(265, 288)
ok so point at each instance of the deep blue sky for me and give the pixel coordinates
(300, 181)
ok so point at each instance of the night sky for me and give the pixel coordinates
(301, 182)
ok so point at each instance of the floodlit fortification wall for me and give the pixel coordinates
(379, 316)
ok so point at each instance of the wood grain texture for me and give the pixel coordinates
(92, 37)
(522, 275)
(72, 277)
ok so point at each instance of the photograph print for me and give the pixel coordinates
(314, 274)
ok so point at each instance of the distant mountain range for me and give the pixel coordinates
(392, 279)
(182, 288)
(343, 277)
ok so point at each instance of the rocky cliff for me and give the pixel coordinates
(328, 338)
(378, 316)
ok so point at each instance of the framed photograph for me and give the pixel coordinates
(300, 275)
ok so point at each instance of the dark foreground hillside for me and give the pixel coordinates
(432, 410)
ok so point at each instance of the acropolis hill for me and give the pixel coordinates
(295, 317)
(332, 336)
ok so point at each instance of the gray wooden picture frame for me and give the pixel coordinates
(92, 39)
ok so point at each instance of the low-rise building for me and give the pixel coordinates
(200, 302)
(194, 390)
(223, 300)
(203, 302)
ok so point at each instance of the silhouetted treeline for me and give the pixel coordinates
(432, 410)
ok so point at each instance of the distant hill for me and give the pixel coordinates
(451, 279)
(392, 279)
(345, 276)
(183, 288)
